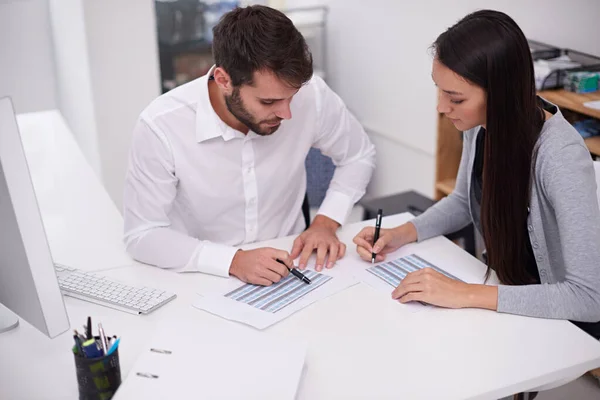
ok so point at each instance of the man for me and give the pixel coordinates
(219, 162)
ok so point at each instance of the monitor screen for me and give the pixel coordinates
(28, 283)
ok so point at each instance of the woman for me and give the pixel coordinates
(526, 180)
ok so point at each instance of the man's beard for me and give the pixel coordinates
(236, 107)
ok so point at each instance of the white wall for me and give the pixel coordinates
(378, 62)
(380, 65)
(108, 71)
(125, 73)
(26, 64)
(74, 84)
(399, 168)
(296, 3)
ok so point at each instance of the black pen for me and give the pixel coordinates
(377, 229)
(89, 328)
(296, 273)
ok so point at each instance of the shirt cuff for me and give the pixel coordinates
(336, 206)
(421, 231)
(427, 226)
(212, 258)
(513, 299)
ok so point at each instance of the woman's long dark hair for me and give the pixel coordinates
(489, 49)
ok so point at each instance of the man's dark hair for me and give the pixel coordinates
(257, 38)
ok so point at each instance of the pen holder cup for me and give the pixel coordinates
(98, 378)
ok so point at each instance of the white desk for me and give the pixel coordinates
(361, 343)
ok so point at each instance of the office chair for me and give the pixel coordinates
(319, 171)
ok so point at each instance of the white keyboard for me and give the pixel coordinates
(100, 290)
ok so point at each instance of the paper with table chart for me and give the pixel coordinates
(186, 359)
(385, 276)
(275, 297)
(394, 271)
(262, 306)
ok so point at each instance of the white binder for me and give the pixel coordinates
(186, 360)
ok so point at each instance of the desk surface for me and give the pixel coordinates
(361, 343)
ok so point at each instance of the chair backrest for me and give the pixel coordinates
(319, 171)
(597, 169)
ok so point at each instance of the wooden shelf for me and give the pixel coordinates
(572, 101)
(449, 149)
(449, 139)
(593, 145)
(446, 186)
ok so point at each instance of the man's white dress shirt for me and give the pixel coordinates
(196, 188)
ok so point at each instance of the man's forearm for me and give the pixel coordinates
(170, 249)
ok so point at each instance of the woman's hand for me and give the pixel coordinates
(429, 286)
(389, 240)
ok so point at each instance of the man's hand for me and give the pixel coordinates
(319, 236)
(259, 266)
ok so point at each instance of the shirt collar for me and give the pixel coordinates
(208, 123)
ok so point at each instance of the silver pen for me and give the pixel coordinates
(103, 341)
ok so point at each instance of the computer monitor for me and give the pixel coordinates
(28, 283)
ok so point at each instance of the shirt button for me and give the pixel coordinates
(530, 228)
(536, 245)
(540, 258)
(251, 201)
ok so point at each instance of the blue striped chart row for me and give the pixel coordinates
(394, 271)
(279, 295)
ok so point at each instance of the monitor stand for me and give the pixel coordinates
(8, 319)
